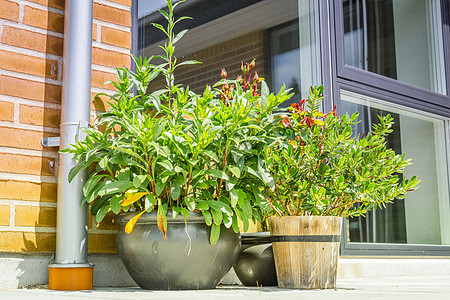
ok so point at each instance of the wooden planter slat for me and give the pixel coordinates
(306, 250)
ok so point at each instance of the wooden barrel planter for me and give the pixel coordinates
(306, 250)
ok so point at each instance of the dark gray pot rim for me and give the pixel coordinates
(151, 218)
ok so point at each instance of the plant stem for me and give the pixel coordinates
(223, 168)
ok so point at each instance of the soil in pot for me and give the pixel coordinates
(184, 260)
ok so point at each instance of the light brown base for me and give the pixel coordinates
(70, 278)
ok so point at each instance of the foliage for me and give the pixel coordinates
(323, 169)
(175, 150)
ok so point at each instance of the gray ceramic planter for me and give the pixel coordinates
(185, 260)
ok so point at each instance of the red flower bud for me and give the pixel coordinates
(286, 122)
(256, 78)
(295, 107)
(252, 64)
(223, 74)
(245, 68)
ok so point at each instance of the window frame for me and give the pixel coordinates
(408, 95)
(337, 76)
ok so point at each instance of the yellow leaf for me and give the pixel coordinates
(161, 220)
(130, 225)
(319, 122)
(131, 198)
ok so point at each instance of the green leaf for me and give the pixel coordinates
(217, 217)
(188, 62)
(115, 187)
(102, 213)
(159, 187)
(235, 170)
(211, 155)
(263, 175)
(138, 180)
(208, 218)
(190, 203)
(231, 183)
(150, 200)
(242, 196)
(260, 200)
(201, 205)
(103, 162)
(220, 206)
(124, 174)
(166, 164)
(179, 36)
(247, 210)
(92, 182)
(265, 92)
(81, 166)
(227, 220)
(175, 191)
(234, 197)
(115, 203)
(217, 174)
(235, 223)
(215, 233)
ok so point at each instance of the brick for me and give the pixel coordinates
(27, 241)
(43, 19)
(59, 4)
(29, 89)
(29, 191)
(94, 31)
(116, 37)
(99, 103)
(123, 2)
(6, 109)
(23, 138)
(9, 10)
(101, 243)
(112, 15)
(109, 222)
(40, 116)
(32, 40)
(25, 164)
(98, 78)
(28, 64)
(4, 215)
(110, 58)
(35, 216)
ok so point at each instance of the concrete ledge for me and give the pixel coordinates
(350, 268)
(22, 270)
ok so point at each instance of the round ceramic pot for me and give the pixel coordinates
(255, 265)
(306, 250)
(184, 260)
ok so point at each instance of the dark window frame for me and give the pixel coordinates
(406, 94)
(337, 76)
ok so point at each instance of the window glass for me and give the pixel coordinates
(423, 216)
(224, 33)
(399, 39)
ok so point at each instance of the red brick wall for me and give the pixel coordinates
(31, 49)
(228, 55)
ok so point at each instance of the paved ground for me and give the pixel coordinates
(424, 288)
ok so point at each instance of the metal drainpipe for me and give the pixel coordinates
(70, 269)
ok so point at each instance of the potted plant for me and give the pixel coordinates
(181, 169)
(323, 172)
